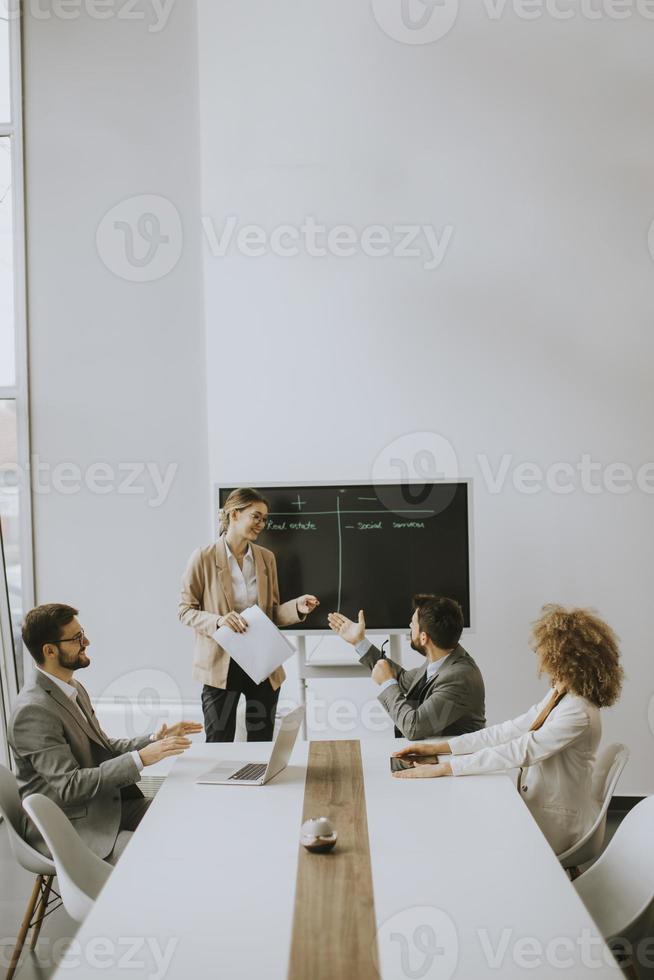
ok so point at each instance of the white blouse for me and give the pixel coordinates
(244, 583)
(556, 762)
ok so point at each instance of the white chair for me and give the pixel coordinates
(81, 873)
(608, 770)
(618, 890)
(41, 901)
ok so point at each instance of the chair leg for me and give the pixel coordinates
(27, 918)
(40, 912)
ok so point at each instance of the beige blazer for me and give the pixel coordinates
(207, 594)
(556, 762)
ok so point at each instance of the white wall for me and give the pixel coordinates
(532, 339)
(117, 366)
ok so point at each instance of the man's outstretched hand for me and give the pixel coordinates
(164, 747)
(346, 628)
(181, 728)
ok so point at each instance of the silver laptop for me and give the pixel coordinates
(258, 773)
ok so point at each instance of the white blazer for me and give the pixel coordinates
(557, 764)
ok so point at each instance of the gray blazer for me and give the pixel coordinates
(453, 703)
(59, 754)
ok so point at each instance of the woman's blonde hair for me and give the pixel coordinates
(239, 500)
(579, 650)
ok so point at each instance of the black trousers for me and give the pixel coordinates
(219, 707)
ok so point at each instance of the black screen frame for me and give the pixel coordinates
(402, 630)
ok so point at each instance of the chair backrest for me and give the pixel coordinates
(81, 873)
(10, 808)
(606, 774)
(618, 890)
(608, 769)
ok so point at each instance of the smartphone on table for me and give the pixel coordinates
(397, 765)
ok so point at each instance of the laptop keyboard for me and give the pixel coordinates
(251, 771)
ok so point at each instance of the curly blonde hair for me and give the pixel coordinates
(579, 650)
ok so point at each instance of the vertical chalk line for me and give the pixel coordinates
(340, 553)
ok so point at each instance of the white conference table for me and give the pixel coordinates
(464, 883)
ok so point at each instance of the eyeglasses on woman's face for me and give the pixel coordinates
(255, 518)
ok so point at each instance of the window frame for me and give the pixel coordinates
(8, 673)
(19, 391)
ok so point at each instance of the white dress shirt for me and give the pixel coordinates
(244, 581)
(432, 667)
(71, 693)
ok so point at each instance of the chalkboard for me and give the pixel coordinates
(368, 547)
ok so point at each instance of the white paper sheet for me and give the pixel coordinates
(261, 649)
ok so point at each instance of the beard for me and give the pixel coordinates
(418, 647)
(74, 661)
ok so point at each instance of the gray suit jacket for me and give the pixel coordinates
(58, 753)
(452, 704)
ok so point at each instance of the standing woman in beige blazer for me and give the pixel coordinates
(221, 581)
(553, 744)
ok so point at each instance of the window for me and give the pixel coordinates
(5, 67)
(7, 319)
(10, 513)
(16, 574)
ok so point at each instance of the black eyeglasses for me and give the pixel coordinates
(259, 519)
(78, 638)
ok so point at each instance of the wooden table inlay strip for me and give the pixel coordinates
(334, 930)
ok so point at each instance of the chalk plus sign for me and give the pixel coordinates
(298, 503)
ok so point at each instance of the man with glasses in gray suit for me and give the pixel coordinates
(445, 695)
(60, 749)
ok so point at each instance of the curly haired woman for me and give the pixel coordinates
(554, 742)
